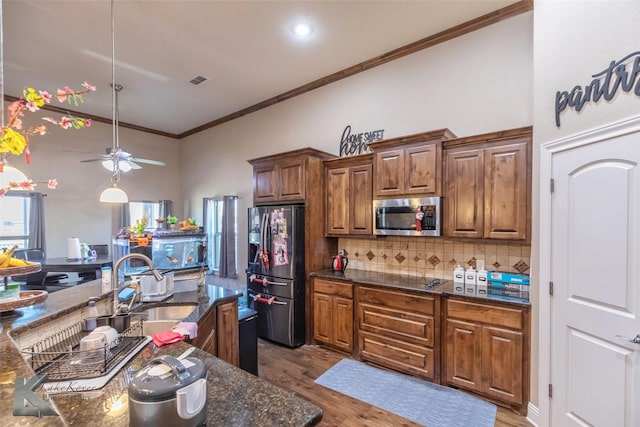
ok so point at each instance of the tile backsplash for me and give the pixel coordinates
(433, 257)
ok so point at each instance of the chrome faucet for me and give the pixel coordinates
(116, 267)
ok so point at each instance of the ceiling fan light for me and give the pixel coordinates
(124, 166)
(114, 195)
(108, 164)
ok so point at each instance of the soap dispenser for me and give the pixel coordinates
(90, 322)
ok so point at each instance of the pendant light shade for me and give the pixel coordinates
(11, 174)
(114, 195)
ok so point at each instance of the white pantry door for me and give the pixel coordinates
(595, 259)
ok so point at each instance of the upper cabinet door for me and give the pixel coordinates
(389, 179)
(265, 184)
(349, 195)
(291, 180)
(505, 188)
(464, 194)
(360, 200)
(337, 215)
(422, 169)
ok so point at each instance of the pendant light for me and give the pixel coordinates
(114, 194)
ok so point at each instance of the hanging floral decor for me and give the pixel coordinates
(14, 139)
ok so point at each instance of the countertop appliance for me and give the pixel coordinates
(339, 263)
(169, 392)
(408, 217)
(275, 274)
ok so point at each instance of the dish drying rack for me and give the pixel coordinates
(59, 355)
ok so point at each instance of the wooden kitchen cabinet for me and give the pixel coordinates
(218, 332)
(486, 350)
(399, 329)
(228, 333)
(488, 186)
(349, 196)
(410, 165)
(333, 313)
(286, 177)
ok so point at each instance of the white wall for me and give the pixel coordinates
(477, 83)
(572, 41)
(73, 209)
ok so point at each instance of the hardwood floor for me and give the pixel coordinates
(296, 369)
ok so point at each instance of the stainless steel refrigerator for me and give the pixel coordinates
(275, 274)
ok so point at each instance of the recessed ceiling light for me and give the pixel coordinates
(302, 30)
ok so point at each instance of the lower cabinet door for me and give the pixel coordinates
(463, 354)
(322, 323)
(502, 364)
(343, 323)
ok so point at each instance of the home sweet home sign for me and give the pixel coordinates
(356, 143)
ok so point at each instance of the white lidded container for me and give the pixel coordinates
(106, 279)
(481, 280)
(470, 277)
(458, 279)
(458, 274)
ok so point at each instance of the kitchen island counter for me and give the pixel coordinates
(235, 397)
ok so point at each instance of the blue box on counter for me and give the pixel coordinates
(498, 276)
(510, 286)
(509, 293)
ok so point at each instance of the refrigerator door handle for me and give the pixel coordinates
(269, 301)
(268, 282)
(265, 282)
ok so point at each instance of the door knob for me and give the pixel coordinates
(635, 340)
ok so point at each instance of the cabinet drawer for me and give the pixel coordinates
(416, 328)
(499, 316)
(399, 355)
(401, 300)
(344, 290)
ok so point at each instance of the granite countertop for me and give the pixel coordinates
(412, 283)
(235, 397)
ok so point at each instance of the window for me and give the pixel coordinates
(14, 220)
(213, 227)
(137, 210)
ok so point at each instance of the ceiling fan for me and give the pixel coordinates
(116, 159)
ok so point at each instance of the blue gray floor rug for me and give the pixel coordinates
(418, 400)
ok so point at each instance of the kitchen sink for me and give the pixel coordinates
(167, 312)
(150, 327)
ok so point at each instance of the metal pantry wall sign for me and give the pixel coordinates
(352, 144)
(605, 84)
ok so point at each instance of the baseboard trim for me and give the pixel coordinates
(533, 414)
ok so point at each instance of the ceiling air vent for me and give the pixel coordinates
(197, 80)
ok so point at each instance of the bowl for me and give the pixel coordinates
(93, 348)
(110, 335)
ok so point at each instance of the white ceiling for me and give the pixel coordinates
(244, 48)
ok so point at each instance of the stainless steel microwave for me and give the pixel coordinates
(407, 217)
